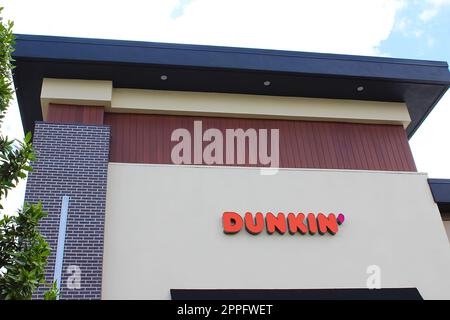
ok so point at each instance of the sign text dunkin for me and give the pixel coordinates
(293, 223)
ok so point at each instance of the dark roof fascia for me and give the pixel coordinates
(134, 64)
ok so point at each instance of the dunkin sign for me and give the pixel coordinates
(282, 223)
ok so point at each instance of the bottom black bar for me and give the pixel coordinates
(214, 309)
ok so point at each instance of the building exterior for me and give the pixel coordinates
(177, 171)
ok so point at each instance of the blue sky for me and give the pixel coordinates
(421, 31)
(395, 28)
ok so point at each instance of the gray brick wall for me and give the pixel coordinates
(72, 160)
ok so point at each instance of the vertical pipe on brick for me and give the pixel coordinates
(61, 240)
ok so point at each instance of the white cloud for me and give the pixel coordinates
(433, 8)
(439, 2)
(407, 28)
(12, 127)
(427, 14)
(349, 26)
(402, 24)
(430, 143)
(418, 33)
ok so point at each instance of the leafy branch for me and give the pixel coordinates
(23, 250)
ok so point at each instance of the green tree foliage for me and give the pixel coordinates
(23, 251)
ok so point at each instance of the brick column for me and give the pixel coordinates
(72, 160)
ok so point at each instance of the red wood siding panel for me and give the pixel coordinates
(138, 138)
(59, 113)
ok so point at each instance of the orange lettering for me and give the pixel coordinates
(277, 223)
(329, 223)
(312, 223)
(252, 226)
(296, 223)
(232, 222)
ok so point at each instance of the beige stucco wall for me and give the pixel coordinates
(163, 230)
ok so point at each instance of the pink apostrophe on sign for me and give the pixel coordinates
(340, 218)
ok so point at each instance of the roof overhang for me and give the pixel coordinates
(139, 65)
(440, 188)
